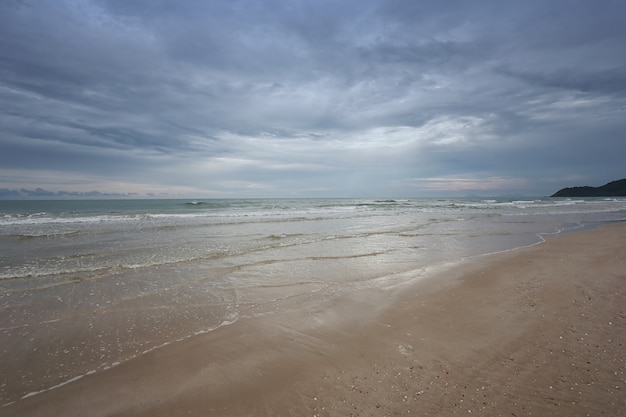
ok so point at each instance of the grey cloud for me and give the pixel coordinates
(428, 55)
(310, 91)
(609, 80)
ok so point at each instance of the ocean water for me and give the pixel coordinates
(86, 285)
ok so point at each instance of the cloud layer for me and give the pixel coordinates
(311, 98)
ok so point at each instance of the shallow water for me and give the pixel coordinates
(85, 285)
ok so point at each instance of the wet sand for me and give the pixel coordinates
(537, 331)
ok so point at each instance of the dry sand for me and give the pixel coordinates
(537, 331)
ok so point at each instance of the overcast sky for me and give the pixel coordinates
(297, 98)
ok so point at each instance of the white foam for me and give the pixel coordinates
(69, 381)
(105, 366)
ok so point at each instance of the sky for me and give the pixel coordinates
(310, 98)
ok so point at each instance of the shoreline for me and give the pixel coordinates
(504, 333)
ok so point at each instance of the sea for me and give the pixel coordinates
(87, 285)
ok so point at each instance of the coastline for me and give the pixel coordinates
(536, 331)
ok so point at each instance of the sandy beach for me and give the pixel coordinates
(536, 331)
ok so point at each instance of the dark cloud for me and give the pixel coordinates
(607, 81)
(242, 97)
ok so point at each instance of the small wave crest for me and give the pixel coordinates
(106, 366)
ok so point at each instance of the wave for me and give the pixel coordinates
(280, 209)
(281, 236)
(39, 220)
(106, 366)
(38, 234)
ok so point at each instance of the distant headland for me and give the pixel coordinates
(612, 189)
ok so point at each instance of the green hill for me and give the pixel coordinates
(612, 189)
